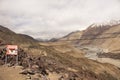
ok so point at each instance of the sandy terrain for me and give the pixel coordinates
(109, 60)
(11, 73)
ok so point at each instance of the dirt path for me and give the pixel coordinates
(10, 73)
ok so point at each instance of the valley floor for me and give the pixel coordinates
(91, 53)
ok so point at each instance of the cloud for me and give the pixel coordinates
(43, 18)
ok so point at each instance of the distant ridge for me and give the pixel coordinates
(7, 36)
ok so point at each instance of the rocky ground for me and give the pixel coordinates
(54, 66)
(110, 55)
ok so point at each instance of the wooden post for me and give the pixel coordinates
(16, 59)
(6, 59)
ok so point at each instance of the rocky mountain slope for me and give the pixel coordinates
(104, 36)
(107, 37)
(72, 36)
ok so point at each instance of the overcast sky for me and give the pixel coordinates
(55, 18)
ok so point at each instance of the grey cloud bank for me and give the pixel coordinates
(55, 18)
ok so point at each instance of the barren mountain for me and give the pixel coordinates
(10, 37)
(72, 36)
(106, 37)
(103, 36)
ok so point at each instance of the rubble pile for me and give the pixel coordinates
(33, 65)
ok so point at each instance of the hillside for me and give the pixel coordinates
(72, 36)
(25, 42)
(100, 42)
(106, 37)
(103, 36)
(54, 60)
(58, 64)
(9, 37)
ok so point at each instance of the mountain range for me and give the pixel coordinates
(103, 36)
(63, 57)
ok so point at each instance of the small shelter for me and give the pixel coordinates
(12, 50)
